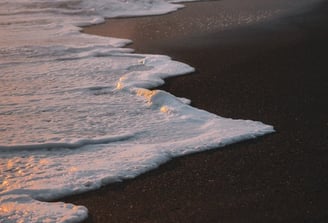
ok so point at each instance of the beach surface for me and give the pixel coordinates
(275, 72)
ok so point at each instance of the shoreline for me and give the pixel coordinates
(273, 72)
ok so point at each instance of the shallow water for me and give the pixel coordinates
(75, 112)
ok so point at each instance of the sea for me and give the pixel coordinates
(79, 111)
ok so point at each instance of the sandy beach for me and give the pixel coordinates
(275, 72)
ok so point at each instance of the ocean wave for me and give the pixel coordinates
(76, 112)
(72, 145)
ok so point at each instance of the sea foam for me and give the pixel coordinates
(76, 112)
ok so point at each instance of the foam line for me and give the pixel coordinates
(74, 145)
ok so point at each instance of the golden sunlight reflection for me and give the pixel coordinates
(147, 94)
(165, 109)
(73, 169)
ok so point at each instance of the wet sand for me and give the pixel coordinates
(275, 72)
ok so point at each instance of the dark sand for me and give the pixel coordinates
(276, 72)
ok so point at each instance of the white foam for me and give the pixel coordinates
(22, 208)
(75, 113)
